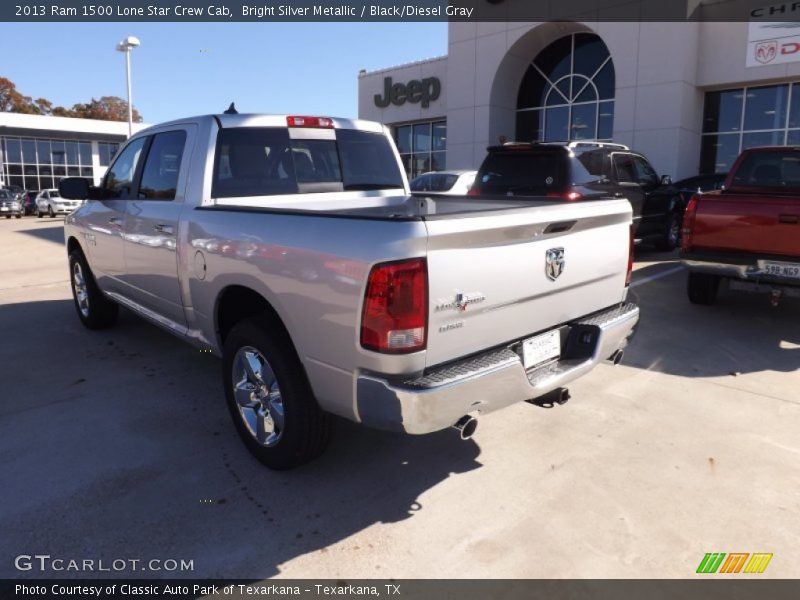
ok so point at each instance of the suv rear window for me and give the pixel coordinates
(264, 161)
(523, 172)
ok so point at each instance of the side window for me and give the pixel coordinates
(421, 184)
(118, 182)
(162, 165)
(645, 174)
(253, 161)
(623, 164)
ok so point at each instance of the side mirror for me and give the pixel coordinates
(74, 188)
(666, 180)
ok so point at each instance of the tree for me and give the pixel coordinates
(110, 108)
(10, 99)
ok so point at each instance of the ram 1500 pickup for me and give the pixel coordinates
(748, 233)
(291, 247)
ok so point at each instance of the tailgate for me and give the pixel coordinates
(488, 273)
(748, 223)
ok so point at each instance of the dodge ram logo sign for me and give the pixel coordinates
(554, 263)
(765, 52)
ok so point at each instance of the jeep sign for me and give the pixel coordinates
(414, 91)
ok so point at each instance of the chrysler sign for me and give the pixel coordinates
(773, 43)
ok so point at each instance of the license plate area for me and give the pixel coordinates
(541, 349)
(780, 269)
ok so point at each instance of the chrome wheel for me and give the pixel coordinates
(258, 396)
(81, 291)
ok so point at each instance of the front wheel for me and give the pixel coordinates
(703, 288)
(270, 398)
(18, 216)
(94, 309)
(50, 212)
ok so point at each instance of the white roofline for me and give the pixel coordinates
(403, 66)
(66, 124)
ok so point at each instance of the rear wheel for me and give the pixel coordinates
(50, 212)
(18, 215)
(38, 213)
(671, 235)
(703, 288)
(269, 396)
(94, 309)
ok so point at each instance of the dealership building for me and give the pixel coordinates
(688, 95)
(37, 151)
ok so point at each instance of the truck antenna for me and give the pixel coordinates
(231, 110)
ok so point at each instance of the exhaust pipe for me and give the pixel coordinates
(466, 426)
(616, 358)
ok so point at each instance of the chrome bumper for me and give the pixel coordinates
(487, 382)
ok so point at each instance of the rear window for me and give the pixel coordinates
(264, 161)
(778, 169)
(521, 172)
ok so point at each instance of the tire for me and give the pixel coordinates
(94, 310)
(703, 288)
(18, 216)
(671, 236)
(38, 214)
(276, 414)
(50, 212)
(8, 216)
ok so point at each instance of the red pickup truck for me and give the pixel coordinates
(748, 233)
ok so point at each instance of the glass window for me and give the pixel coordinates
(85, 152)
(367, 161)
(15, 169)
(29, 152)
(521, 172)
(59, 152)
(160, 174)
(780, 168)
(13, 151)
(569, 78)
(87, 172)
(59, 171)
(717, 152)
(421, 183)
(439, 139)
(723, 111)
(645, 174)
(46, 182)
(422, 137)
(403, 139)
(43, 149)
(119, 179)
(31, 183)
(762, 138)
(73, 171)
(765, 107)
(438, 161)
(72, 153)
(45, 170)
(626, 171)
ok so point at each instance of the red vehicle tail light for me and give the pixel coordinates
(630, 257)
(569, 195)
(395, 314)
(688, 225)
(473, 191)
(316, 122)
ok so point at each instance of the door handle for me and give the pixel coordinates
(790, 219)
(163, 228)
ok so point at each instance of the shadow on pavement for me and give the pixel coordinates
(118, 444)
(55, 233)
(741, 333)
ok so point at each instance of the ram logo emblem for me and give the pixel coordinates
(554, 263)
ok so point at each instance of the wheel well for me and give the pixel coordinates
(72, 244)
(237, 303)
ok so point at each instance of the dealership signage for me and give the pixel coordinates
(773, 43)
(416, 91)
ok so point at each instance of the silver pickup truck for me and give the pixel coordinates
(290, 247)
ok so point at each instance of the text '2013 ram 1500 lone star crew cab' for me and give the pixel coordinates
(291, 247)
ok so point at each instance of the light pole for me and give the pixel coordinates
(126, 45)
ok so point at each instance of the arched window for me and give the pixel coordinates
(567, 92)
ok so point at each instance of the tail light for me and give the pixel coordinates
(569, 195)
(631, 246)
(395, 314)
(688, 224)
(315, 122)
(474, 191)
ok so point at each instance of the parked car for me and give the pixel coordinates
(50, 202)
(699, 183)
(748, 233)
(425, 320)
(451, 183)
(10, 204)
(586, 171)
(29, 203)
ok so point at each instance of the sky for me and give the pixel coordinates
(187, 69)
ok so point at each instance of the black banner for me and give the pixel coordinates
(733, 588)
(397, 11)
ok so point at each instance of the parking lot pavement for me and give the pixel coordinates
(117, 445)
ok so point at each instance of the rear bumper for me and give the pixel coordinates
(746, 268)
(492, 380)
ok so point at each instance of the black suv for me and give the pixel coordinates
(587, 171)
